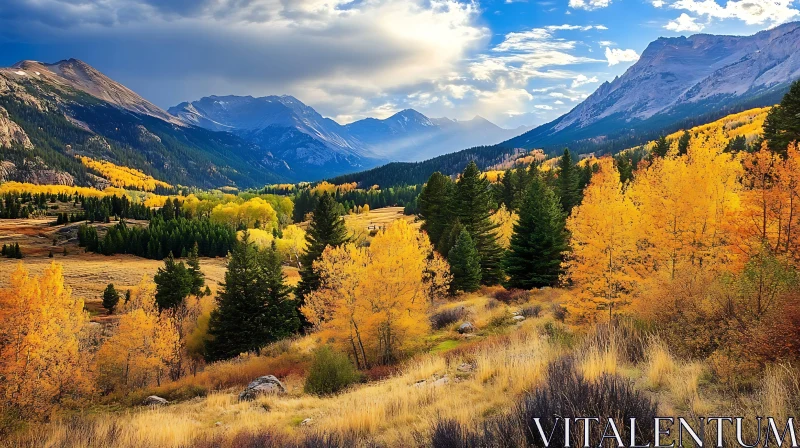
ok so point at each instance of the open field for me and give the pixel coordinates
(88, 273)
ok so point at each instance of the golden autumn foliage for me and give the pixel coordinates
(291, 245)
(772, 203)
(702, 214)
(603, 261)
(122, 176)
(144, 347)
(327, 187)
(42, 333)
(23, 187)
(686, 206)
(505, 221)
(254, 213)
(373, 300)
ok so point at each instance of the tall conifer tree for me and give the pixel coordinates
(539, 240)
(253, 305)
(326, 229)
(567, 182)
(472, 206)
(435, 204)
(465, 264)
(782, 125)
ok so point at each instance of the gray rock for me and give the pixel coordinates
(265, 385)
(154, 400)
(465, 367)
(306, 422)
(519, 318)
(466, 327)
(441, 381)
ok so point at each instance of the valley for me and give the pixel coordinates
(242, 271)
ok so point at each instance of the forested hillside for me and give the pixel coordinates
(59, 123)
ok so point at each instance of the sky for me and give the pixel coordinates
(514, 62)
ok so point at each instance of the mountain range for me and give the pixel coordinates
(677, 79)
(49, 113)
(297, 133)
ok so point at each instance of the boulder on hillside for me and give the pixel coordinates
(154, 400)
(264, 385)
(466, 327)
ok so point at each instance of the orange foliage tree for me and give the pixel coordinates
(42, 352)
(604, 259)
(373, 300)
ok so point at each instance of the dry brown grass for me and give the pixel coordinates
(388, 411)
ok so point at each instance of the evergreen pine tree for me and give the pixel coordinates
(17, 251)
(193, 266)
(567, 183)
(683, 143)
(472, 206)
(508, 191)
(173, 284)
(326, 229)
(661, 148)
(253, 305)
(168, 211)
(450, 237)
(434, 206)
(782, 125)
(539, 240)
(110, 298)
(465, 264)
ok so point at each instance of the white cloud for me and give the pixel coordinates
(684, 22)
(569, 94)
(751, 12)
(658, 3)
(342, 57)
(589, 4)
(559, 102)
(582, 80)
(618, 55)
(605, 43)
(543, 106)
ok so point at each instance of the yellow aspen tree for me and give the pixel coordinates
(603, 261)
(373, 300)
(764, 217)
(42, 357)
(505, 220)
(144, 346)
(686, 203)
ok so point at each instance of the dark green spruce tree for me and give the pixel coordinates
(173, 284)
(539, 240)
(110, 298)
(196, 274)
(326, 229)
(567, 182)
(473, 208)
(661, 148)
(465, 264)
(435, 204)
(683, 143)
(782, 125)
(254, 307)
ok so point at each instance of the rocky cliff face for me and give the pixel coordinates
(11, 134)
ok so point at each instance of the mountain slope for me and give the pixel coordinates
(321, 147)
(677, 79)
(56, 117)
(411, 136)
(311, 145)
